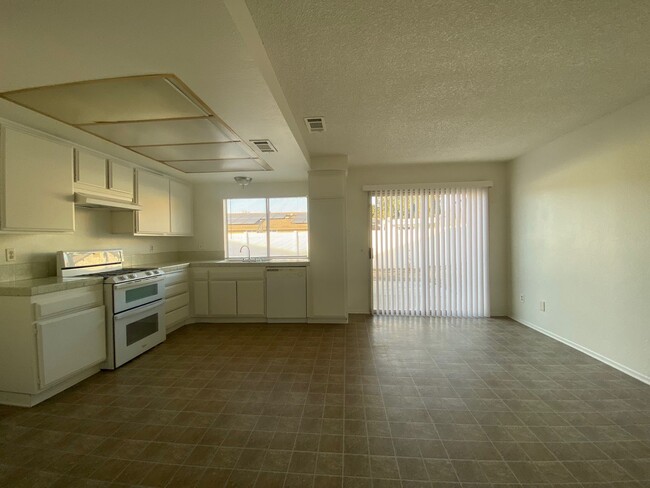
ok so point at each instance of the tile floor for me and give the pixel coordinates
(383, 402)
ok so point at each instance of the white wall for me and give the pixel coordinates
(208, 209)
(581, 237)
(357, 218)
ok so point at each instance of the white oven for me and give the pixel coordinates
(134, 299)
(137, 293)
(135, 331)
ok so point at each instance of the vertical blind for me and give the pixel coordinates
(430, 252)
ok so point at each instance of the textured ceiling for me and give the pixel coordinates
(461, 80)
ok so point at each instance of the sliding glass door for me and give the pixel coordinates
(430, 252)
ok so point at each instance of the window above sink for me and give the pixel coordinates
(263, 229)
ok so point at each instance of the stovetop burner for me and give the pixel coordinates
(117, 272)
(106, 264)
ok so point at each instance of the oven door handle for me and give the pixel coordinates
(136, 283)
(139, 310)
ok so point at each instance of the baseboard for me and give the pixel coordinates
(603, 359)
(178, 325)
(327, 320)
(29, 400)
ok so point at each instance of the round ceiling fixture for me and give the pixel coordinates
(243, 180)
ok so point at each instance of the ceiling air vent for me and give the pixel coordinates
(264, 145)
(315, 124)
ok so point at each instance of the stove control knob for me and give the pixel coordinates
(121, 278)
(132, 276)
(148, 273)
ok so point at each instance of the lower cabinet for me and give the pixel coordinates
(251, 300)
(177, 299)
(49, 342)
(222, 298)
(67, 344)
(229, 292)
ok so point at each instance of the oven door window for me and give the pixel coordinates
(141, 292)
(136, 331)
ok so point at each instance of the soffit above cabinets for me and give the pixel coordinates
(157, 116)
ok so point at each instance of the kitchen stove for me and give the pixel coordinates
(134, 299)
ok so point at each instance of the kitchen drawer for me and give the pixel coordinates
(176, 316)
(176, 277)
(199, 274)
(67, 301)
(237, 273)
(177, 289)
(177, 302)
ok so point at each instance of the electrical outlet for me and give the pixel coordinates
(542, 306)
(522, 298)
(10, 254)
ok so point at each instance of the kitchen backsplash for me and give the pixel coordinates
(45, 268)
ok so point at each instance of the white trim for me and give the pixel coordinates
(433, 186)
(603, 359)
(31, 399)
(326, 320)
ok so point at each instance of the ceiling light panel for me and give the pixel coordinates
(159, 132)
(157, 116)
(187, 152)
(111, 100)
(219, 165)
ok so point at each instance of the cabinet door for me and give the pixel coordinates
(250, 298)
(120, 179)
(38, 183)
(69, 344)
(180, 200)
(200, 297)
(153, 196)
(223, 298)
(89, 170)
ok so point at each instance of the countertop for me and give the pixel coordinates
(52, 284)
(178, 265)
(39, 286)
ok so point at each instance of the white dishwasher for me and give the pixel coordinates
(286, 294)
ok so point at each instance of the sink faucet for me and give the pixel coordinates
(249, 252)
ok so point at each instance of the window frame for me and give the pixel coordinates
(267, 225)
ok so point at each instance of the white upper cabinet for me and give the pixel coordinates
(166, 208)
(37, 183)
(180, 201)
(153, 196)
(96, 175)
(89, 171)
(120, 179)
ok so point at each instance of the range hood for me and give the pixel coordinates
(94, 201)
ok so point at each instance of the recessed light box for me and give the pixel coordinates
(188, 152)
(219, 165)
(111, 100)
(159, 132)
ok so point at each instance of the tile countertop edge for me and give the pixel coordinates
(40, 286)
